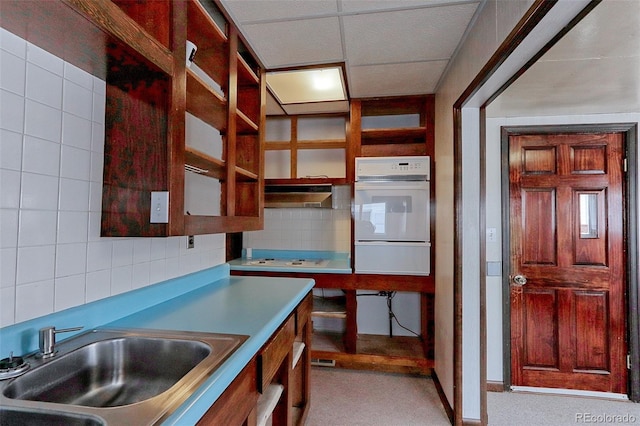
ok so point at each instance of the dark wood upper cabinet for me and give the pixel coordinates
(139, 48)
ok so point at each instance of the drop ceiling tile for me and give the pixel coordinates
(395, 79)
(264, 10)
(308, 41)
(352, 6)
(409, 35)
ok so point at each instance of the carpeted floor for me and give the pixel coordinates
(527, 409)
(349, 398)
(342, 397)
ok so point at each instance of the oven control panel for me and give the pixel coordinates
(372, 167)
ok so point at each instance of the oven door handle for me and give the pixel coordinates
(381, 186)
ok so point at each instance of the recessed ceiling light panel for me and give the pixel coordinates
(307, 85)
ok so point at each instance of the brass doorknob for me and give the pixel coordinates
(520, 280)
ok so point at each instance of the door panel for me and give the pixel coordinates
(541, 331)
(592, 325)
(566, 222)
(539, 223)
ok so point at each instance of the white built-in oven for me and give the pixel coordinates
(391, 215)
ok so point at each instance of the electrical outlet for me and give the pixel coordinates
(159, 207)
(191, 242)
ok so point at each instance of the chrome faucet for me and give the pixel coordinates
(48, 340)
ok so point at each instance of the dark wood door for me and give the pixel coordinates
(566, 220)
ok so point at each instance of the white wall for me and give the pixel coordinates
(494, 218)
(51, 163)
(494, 23)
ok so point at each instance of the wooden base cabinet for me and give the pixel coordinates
(273, 389)
(237, 405)
(284, 370)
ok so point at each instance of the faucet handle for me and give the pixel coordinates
(48, 339)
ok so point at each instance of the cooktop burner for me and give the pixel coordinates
(300, 263)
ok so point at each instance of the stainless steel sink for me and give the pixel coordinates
(120, 374)
(21, 416)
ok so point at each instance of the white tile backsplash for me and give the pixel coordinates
(44, 59)
(9, 228)
(141, 250)
(52, 117)
(12, 73)
(97, 137)
(69, 291)
(72, 227)
(76, 131)
(41, 156)
(37, 228)
(98, 285)
(12, 43)
(8, 257)
(34, 300)
(140, 275)
(10, 150)
(11, 111)
(99, 255)
(122, 253)
(74, 195)
(42, 121)
(9, 189)
(78, 76)
(75, 163)
(39, 191)
(71, 259)
(43, 86)
(306, 229)
(77, 100)
(7, 304)
(121, 279)
(35, 264)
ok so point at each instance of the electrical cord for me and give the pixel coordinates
(390, 295)
(392, 316)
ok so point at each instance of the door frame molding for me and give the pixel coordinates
(630, 131)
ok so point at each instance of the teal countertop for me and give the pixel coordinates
(207, 301)
(339, 262)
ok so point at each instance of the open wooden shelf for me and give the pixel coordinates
(245, 124)
(204, 103)
(329, 307)
(400, 354)
(206, 165)
(246, 76)
(243, 175)
(391, 136)
(205, 34)
(307, 181)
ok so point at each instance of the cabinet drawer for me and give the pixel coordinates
(237, 402)
(302, 314)
(274, 352)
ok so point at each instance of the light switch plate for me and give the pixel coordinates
(491, 235)
(159, 207)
